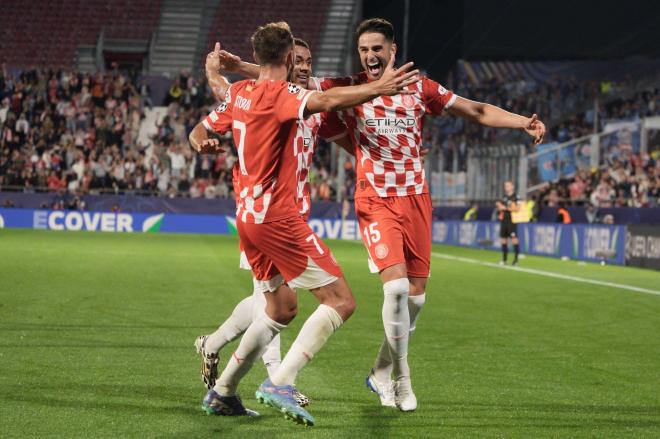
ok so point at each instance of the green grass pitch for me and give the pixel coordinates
(97, 331)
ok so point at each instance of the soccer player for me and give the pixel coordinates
(248, 309)
(282, 250)
(509, 203)
(392, 202)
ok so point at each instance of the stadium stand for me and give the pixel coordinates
(236, 20)
(78, 132)
(68, 24)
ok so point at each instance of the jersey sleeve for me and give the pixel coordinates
(436, 97)
(332, 127)
(291, 102)
(220, 120)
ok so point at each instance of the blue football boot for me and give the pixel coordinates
(283, 398)
(215, 404)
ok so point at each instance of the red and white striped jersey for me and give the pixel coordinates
(309, 130)
(388, 132)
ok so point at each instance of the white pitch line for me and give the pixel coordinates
(548, 274)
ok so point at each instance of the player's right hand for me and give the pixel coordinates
(229, 63)
(210, 146)
(394, 80)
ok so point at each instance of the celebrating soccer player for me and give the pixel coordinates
(282, 250)
(392, 202)
(248, 309)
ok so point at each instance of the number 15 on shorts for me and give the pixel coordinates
(371, 233)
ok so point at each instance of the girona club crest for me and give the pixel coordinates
(408, 101)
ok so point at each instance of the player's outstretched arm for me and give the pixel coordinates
(230, 63)
(393, 81)
(492, 116)
(201, 142)
(218, 83)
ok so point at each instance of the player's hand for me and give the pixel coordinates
(213, 60)
(229, 63)
(535, 128)
(210, 146)
(395, 80)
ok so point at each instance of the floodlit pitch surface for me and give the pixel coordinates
(97, 331)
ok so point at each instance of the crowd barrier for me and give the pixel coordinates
(630, 245)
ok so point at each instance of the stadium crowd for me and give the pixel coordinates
(69, 131)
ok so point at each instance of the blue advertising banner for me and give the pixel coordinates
(574, 241)
(114, 222)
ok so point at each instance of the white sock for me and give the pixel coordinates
(315, 332)
(252, 346)
(272, 357)
(383, 364)
(415, 304)
(396, 320)
(233, 327)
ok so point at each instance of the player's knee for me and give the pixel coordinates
(346, 306)
(285, 314)
(417, 286)
(397, 287)
(338, 295)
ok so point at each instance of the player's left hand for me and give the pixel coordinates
(535, 128)
(210, 146)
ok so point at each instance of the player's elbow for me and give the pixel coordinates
(477, 111)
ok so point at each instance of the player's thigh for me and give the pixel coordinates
(267, 277)
(505, 230)
(381, 232)
(417, 211)
(304, 260)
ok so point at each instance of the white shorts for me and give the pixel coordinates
(244, 264)
(313, 277)
(268, 286)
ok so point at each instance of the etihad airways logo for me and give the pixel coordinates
(386, 125)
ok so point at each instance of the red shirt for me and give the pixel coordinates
(388, 132)
(264, 121)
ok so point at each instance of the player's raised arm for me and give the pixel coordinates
(392, 82)
(230, 63)
(218, 83)
(492, 116)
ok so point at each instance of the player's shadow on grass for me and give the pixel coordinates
(120, 399)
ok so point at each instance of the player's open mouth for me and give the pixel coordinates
(374, 68)
(302, 78)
